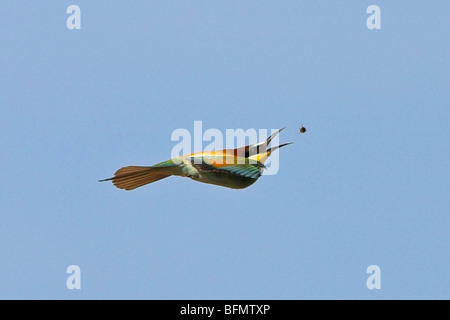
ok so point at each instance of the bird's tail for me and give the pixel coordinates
(133, 177)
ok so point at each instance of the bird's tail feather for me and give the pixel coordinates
(133, 177)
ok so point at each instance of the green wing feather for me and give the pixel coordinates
(247, 169)
(165, 164)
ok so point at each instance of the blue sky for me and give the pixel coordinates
(368, 184)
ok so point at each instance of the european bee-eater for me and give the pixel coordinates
(231, 168)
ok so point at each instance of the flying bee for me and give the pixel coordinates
(302, 129)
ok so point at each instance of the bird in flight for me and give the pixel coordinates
(231, 168)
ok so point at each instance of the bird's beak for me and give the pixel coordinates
(270, 150)
(269, 139)
(262, 156)
(262, 146)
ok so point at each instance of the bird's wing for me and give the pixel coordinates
(240, 166)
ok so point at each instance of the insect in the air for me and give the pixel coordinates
(302, 129)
